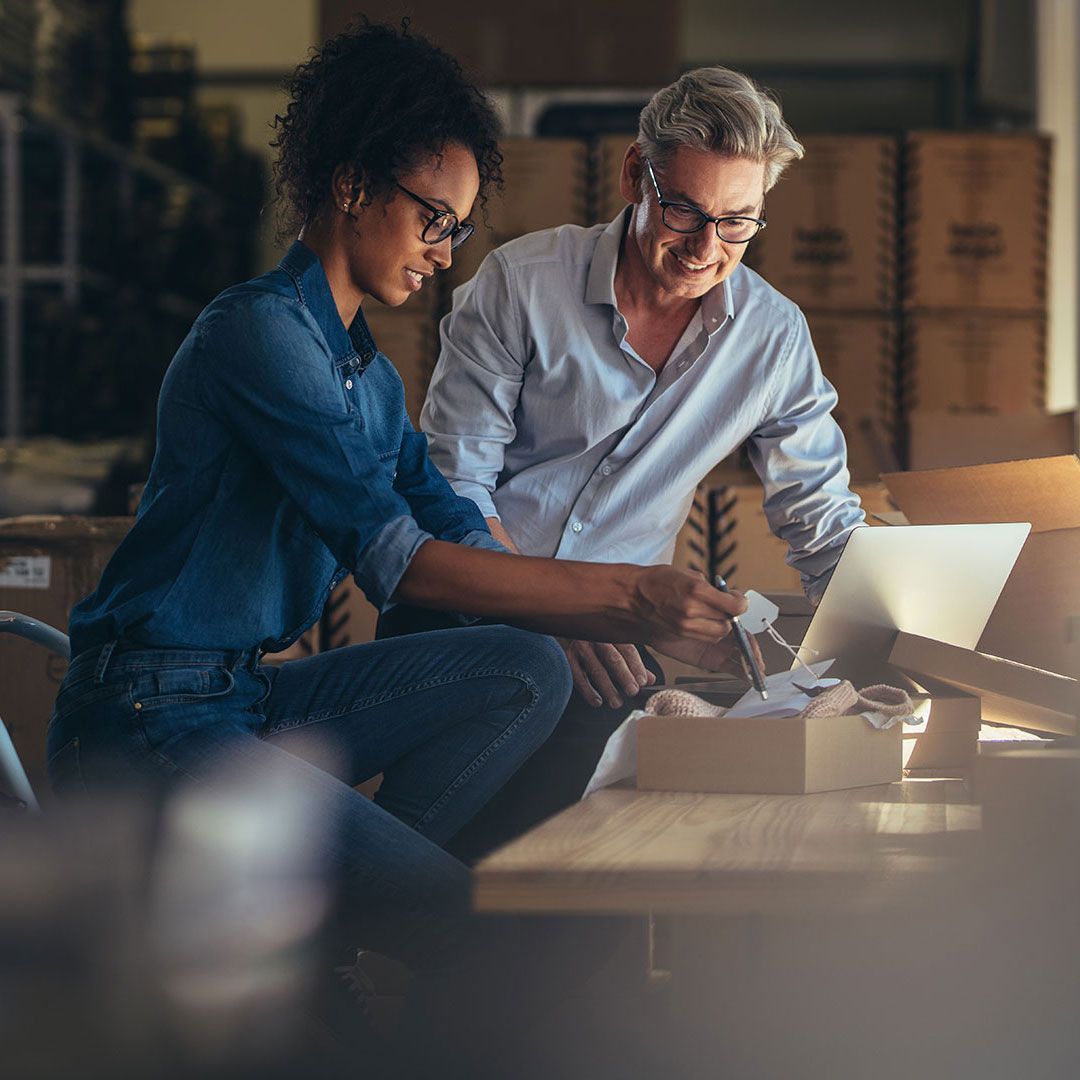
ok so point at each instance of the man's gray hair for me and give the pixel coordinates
(723, 111)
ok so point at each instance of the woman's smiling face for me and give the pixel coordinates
(387, 255)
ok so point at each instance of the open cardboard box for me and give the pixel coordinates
(1037, 618)
(765, 755)
(1011, 693)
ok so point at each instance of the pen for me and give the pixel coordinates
(743, 641)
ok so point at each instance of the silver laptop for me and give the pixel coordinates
(939, 581)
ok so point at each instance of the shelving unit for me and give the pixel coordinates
(102, 238)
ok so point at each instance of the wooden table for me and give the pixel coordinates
(849, 934)
(623, 850)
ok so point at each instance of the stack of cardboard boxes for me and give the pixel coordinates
(409, 336)
(975, 209)
(831, 246)
(546, 183)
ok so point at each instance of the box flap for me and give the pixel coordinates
(1011, 693)
(1044, 491)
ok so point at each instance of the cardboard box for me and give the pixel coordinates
(602, 43)
(1031, 801)
(791, 624)
(608, 154)
(974, 361)
(764, 756)
(942, 440)
(348, 619)
(692, 542)
(743, 546)
(467, 259)
(858, 354)
(831, 241)
(1012, 694)
(410, 338)
(976, 208)
(948, 739)
(1035, 618)
(546, 184)
(47, 565)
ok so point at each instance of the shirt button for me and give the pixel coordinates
(606, 470)
(348, 384)
(577, 526)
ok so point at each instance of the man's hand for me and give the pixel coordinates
(606, 674)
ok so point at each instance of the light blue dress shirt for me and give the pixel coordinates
(541, 411)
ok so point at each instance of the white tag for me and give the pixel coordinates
(760, 613)
(26, 572)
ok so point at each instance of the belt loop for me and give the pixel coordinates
(103, 661)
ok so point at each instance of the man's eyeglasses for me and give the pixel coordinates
(442, 224)
(684, 218)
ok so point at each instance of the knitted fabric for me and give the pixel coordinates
(680, 703)
(838, 700)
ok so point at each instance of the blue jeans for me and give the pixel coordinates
(447, 718)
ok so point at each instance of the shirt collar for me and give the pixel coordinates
(355, 346)
(717, 305)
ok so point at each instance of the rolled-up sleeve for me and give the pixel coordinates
(270, 379)
(469, 413)
(800, 455)
(434, 503)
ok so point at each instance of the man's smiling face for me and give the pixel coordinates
(688, 265)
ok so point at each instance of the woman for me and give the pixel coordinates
(285, 461)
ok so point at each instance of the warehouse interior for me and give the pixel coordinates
(931, 238)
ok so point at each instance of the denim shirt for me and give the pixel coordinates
(285, 460)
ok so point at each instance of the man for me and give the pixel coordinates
(590, 378)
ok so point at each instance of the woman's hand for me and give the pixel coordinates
(680, 604)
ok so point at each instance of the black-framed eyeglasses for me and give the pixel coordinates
(442, 224)
(684, 218)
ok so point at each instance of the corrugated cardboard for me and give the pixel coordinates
(1011, 693)
(467, 259)
(546, 184)
(744, 548)
(47, 564)
(943, 440)
(1034, 620)
(976, 209)
(949, 735)
(609, 152)
(791, 624)
(1031, 800)
(692, 542)
(831, 239)
(602, 43)
(410, 338)
(979, 360)
(858, 355)
(348, 619)
(764, 756)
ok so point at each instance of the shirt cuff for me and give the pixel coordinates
(817, 570)
(470, 489)
(387, 557)
(478, 539)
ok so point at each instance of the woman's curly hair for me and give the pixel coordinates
(378, 101)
